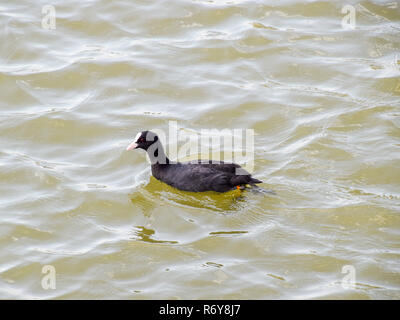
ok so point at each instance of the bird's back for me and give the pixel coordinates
(203, 176)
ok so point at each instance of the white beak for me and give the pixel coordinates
(133, 145)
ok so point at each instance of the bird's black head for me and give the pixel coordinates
(143, 140)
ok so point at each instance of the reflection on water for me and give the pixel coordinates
(224, 203)
(143, 234)
(322, 100)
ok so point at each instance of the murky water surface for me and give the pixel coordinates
(323, 101)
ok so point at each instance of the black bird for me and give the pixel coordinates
(196, 177)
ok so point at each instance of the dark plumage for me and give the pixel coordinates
(197, 177)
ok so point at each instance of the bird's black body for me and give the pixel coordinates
(198, 177)
(190, 176)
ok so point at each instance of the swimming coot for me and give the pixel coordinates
(189, 176)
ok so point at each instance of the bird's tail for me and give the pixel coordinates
(243, 180)
(254, 181)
